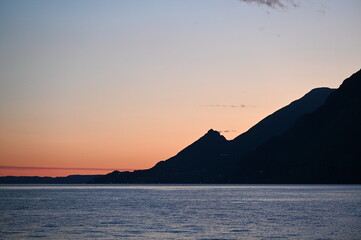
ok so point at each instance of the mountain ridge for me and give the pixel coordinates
(212, 157)
(314, 139)
(322, 147)
(280, 120)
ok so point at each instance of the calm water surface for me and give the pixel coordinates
(180, 212)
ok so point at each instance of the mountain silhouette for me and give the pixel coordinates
(196, 163)
(278, 122)
(314, 139)
(212, 158)
(322, 147)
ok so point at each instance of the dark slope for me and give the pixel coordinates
(199, 162)
(322, 147)
(198, 155)
(278, 122)
(212, 157)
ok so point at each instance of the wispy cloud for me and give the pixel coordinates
(273, 3)
(227, 131)
(226, 106)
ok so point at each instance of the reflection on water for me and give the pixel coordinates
(180, 211)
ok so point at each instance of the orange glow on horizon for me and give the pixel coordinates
(53, 172)
(129, 85)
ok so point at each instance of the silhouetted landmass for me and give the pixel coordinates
(71, 179)
(198, 162)
(315, 139)
(281, 120)
(212, 158)
(322, 147)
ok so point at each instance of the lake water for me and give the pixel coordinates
(180, 212)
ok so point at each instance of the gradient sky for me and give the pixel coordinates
(100, 84)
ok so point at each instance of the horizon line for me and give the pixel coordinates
(64, 168)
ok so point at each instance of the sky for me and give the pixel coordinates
(91, 86)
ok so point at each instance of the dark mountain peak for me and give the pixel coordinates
(212, 136)
(212, 131)
(319, 90)
(318, 95)
(209, 144)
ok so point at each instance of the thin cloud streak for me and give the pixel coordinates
(273, 3)
(227, 131)
(228, 105)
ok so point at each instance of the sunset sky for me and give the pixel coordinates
(88, 86)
